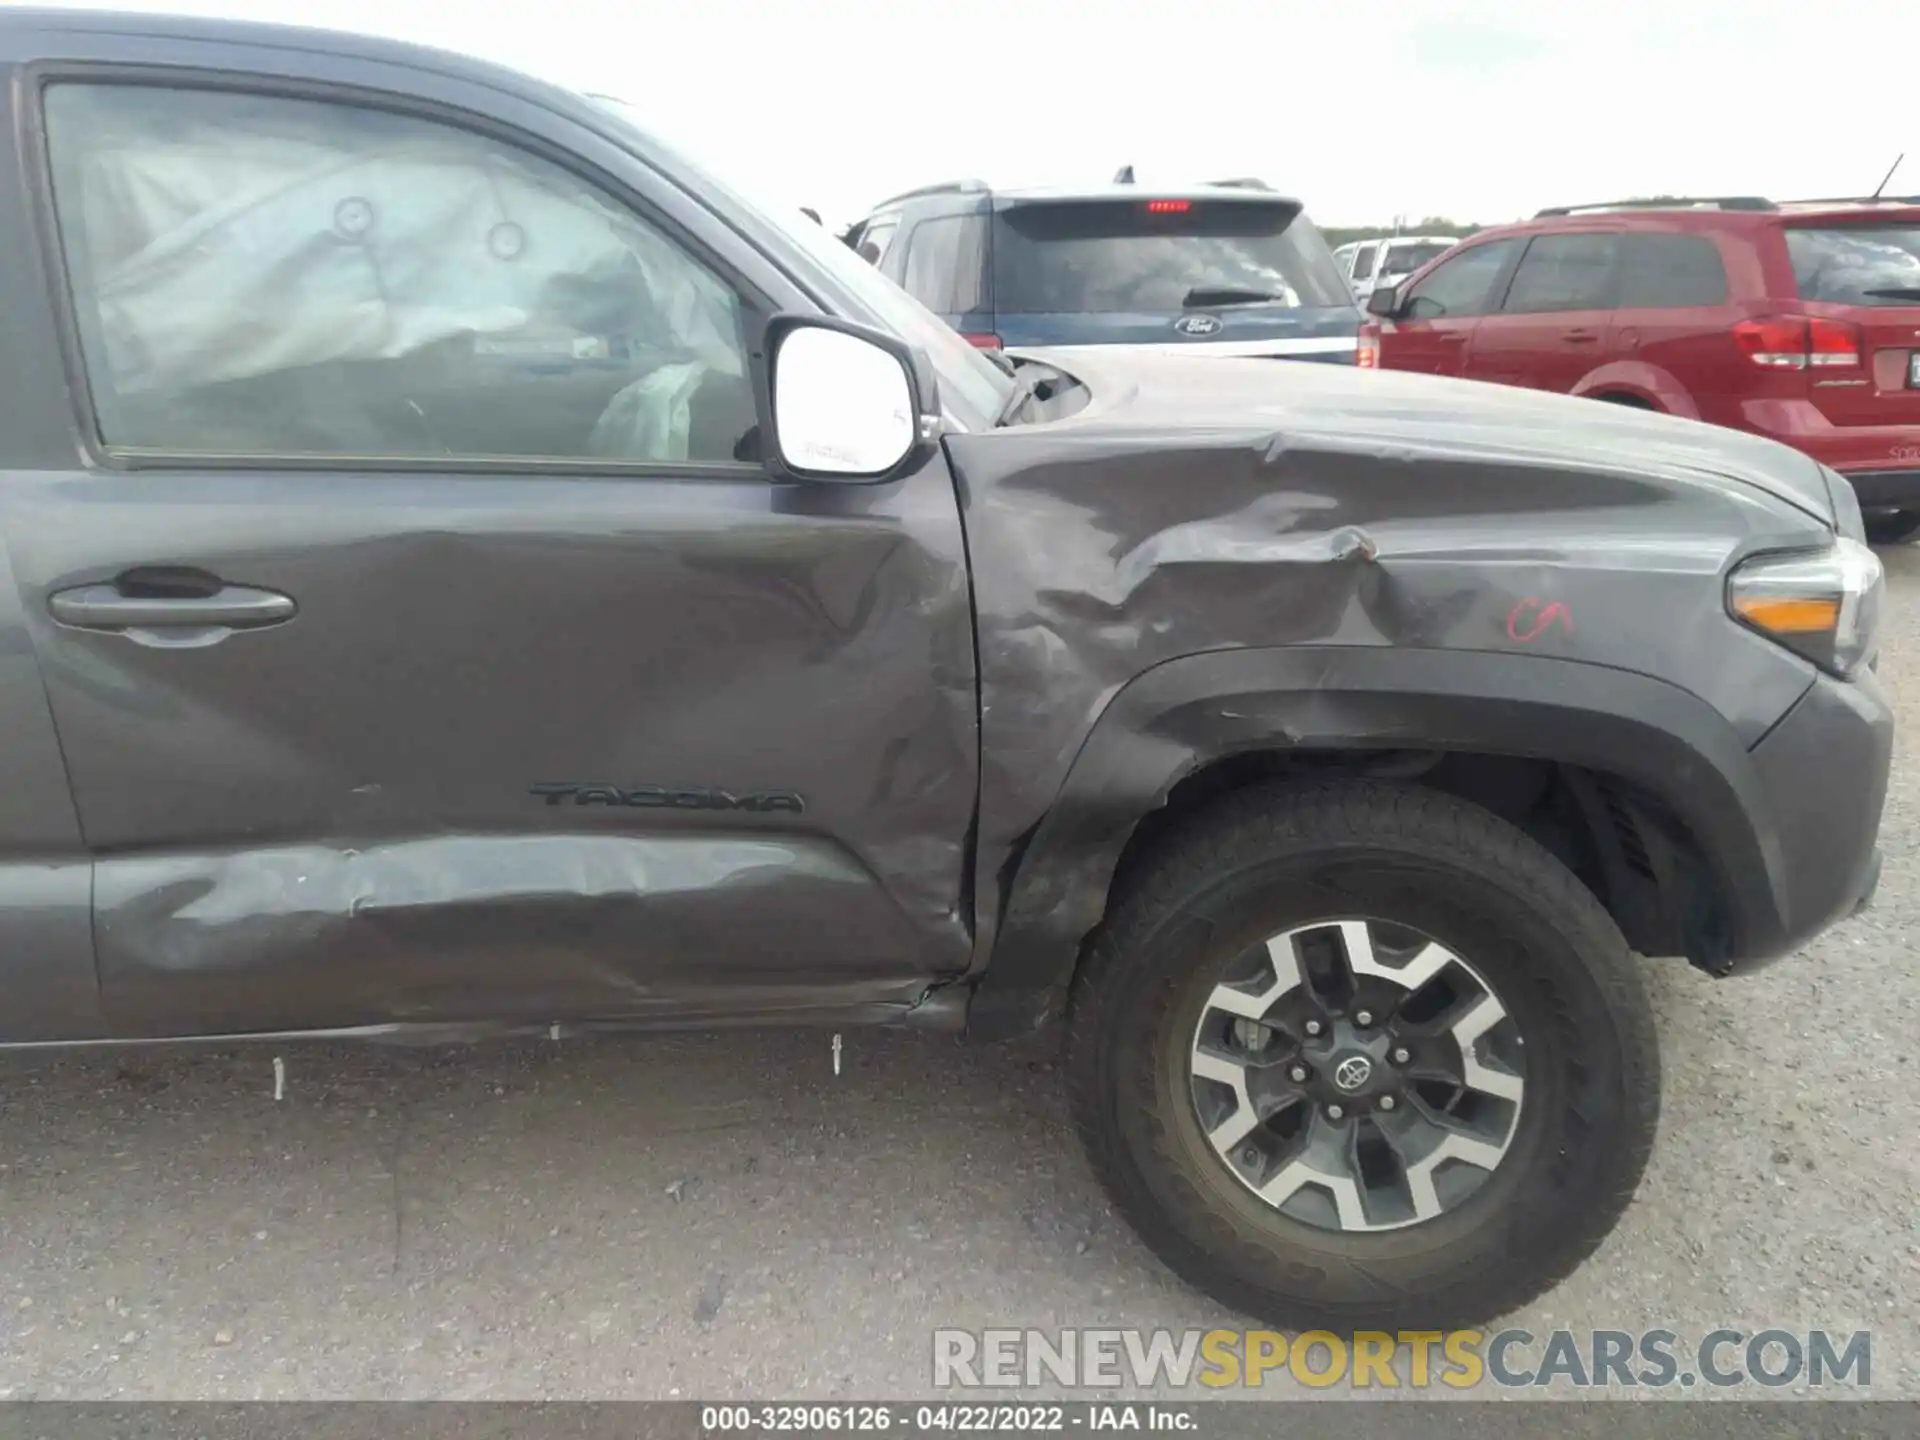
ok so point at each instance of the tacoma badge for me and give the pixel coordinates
(686, 797)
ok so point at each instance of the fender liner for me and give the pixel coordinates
(1175, 719)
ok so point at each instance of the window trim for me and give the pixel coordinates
(1371, 249)
(56, 270)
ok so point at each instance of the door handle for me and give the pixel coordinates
(1580, 336)
(107, 607)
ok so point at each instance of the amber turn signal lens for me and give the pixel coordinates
(1784, 616)
(1823, 604)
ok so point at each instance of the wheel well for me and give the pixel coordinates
(1621, 842)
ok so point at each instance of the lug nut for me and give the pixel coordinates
(1297, 1074)
(1313, 1027)
(1334, 1112)
(1365, 1017)
(1250, 1155)
(1402, 1055)
(1386, 1102)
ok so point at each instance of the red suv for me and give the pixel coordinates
(1798, 320)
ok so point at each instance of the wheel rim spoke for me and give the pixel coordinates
(1457, 1146)
(1467, 1032)
(1242, 1121)
(1356, 939)
(1283, 1186)
(1431, 960)
(1235, 1128)
(1255, 1004)
(1343, 1190)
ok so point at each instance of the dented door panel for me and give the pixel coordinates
(532, 748)
(46, 928)
(48, 988)
(515, 742)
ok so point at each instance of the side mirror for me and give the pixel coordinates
(1384, 304)
(869, 252)
(849, 403)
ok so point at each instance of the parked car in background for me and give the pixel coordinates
(1369, 264)
(1796, 320)
(1222, 269)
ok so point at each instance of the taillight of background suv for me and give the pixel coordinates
(1800, 342)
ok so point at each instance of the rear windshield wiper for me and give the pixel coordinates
(1228, 295)
(1897, 292)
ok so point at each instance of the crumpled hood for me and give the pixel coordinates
(1410, 415)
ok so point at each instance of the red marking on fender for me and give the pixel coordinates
(1532, 618)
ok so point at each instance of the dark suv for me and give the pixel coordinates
(1228, 269)
(1799, 321)
(465, 571)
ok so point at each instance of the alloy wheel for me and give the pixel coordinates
(1357, 1075)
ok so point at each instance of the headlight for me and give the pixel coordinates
(1825, 605)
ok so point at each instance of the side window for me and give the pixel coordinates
(274, 277)
(1669, 271)
(1563, 272)
(1459, 287)
(875, 237)
(946, 264)
(1363, 261)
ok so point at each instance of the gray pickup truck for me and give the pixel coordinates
(467, 571)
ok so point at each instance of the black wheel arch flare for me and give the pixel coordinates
(1177, 718)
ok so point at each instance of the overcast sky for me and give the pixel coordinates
(1482, 110)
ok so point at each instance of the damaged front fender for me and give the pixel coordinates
(1201, 559)
(1182, 716)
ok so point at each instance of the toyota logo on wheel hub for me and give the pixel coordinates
(1353, 1072)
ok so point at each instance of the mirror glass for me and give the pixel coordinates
(841, 405)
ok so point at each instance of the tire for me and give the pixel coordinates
(1891, 527)
(1270, 860)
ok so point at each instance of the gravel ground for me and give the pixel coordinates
(719, 1216)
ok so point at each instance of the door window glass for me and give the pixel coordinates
(1670, 271)
(276, 277)
(1459, 287)
(946, 261)
(875, 239)
(1563, 272)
